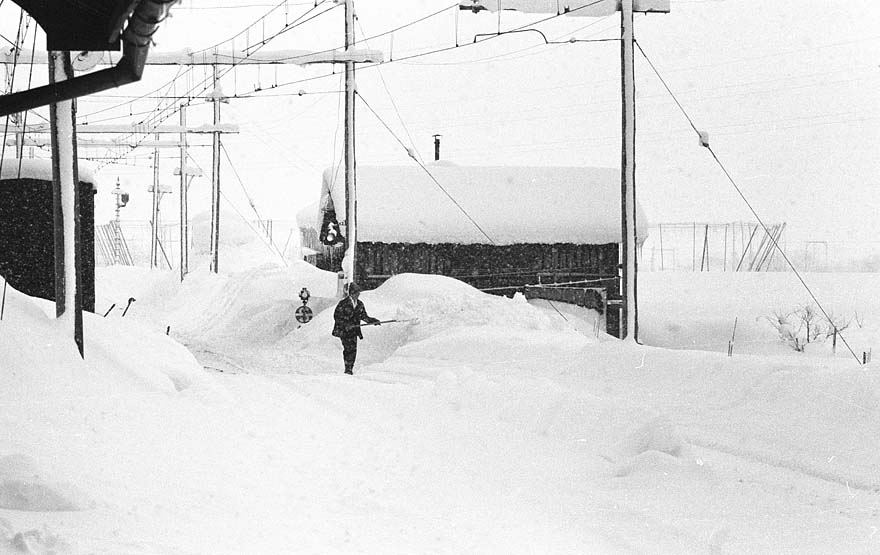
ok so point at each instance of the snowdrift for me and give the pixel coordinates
(519, 411)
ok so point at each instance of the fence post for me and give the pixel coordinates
(3, 304)
(732, 338)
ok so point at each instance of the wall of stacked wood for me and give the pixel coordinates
(27, 238)
(488, 266)
(499, 269)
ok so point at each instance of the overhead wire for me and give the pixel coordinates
(268, 244)
(250, 199)
(745, 199)
(160, 113)
(241, 6)
(508, 56)
(162, 116)
(393, 103)
(11, 84)
(23, 122)
(248, 27)
(435, 51)
(339, 123)
(427, 171)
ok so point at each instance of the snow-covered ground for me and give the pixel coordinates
(207, 420)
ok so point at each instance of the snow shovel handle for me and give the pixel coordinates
(380, 322)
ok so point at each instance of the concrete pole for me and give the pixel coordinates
(215, 181)
(350, 180)
(117, 234)
(65, 181)
(19, 136)
(154, 245)
(629, 317)
(184, 215)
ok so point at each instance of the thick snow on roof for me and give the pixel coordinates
(403, 204)
(38, 168)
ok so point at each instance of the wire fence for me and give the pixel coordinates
(748, 247)
(133, 244)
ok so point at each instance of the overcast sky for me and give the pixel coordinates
(787, 91)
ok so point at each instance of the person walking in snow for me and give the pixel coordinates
(347, 318)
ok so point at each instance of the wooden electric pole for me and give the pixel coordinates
(215, 179)
(601, 8)
(65, 184)
(350, 233)
(629, 315)
(233, 58)
(157, 195)
(184, 200)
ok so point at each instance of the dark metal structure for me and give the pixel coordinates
(91, 25)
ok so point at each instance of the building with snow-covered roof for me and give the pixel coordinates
(497, 228)
(27, 229)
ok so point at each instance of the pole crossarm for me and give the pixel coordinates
(581, 8)
(226, 57)
(141, 128)
(86, 143)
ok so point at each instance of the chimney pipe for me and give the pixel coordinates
(437, 147)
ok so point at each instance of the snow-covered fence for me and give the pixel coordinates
(713, 247)
(137, 237)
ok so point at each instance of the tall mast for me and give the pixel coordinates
(350, 185)
(629, 315)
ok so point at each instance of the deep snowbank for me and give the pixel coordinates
(698, 310)
(64, 417)
(480, 406)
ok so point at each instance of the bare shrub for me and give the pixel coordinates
(806, 324)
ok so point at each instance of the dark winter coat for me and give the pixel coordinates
(347, 319)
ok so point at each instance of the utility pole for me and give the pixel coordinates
(184, 209)
(349, 265)
(154, 243)
(19, 136)
(349, 57)
(65, 184)
(121, 201)
(602, 8)
(215, 178)
(629, 315)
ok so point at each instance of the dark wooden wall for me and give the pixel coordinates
(488, 266)
(27, 244)
(500, 269)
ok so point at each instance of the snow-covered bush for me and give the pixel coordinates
(806, 324)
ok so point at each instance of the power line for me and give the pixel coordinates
(269, 245)
(204, 82)
(507, 56)
(30, 80)
(439, 50)
(427, 171)
(241, 6)
(746, 201)
(12, 83)
(393, 103)
(251, 202)
(160, 117)
(247, 28)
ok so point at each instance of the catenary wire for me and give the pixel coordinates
(23, 122)
(393, 103)
(18, 38)
(427, 171)
(745, 199)
(250, 201)
(171, 110)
